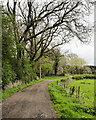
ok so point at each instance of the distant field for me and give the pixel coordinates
(68, 106)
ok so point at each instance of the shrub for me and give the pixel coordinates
(84, 76)
(77, 77)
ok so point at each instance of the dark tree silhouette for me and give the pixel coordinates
(40, 28)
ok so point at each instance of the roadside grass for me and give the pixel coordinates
(8, 92)
(68, 106)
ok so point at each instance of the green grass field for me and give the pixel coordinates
(68, 106)
(8, 92)
(86, 91)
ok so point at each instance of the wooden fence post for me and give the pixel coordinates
(73, 89)
(78, 91)
(70, 91)
(60, 83)
(64, 85)
(57, 82)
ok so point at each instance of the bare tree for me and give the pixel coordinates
(48, 25)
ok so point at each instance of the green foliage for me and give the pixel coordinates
(55, 56)
(28, 70)
(87, 70)
(46, 67)
(74, 69)
(15, 65)
(77, 77)
(84, 76)
(68, 106)
(8, 52)
(76, 65)
(46, 70)
(63, 66)
(77, 61)
(8, 75)
(89, 76)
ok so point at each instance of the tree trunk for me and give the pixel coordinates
(40, 68)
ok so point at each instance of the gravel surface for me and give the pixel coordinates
(30, 102)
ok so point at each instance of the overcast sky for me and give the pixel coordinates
(83, 51)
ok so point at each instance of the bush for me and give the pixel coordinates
(77, 77)
(29, 72)
(84, 76)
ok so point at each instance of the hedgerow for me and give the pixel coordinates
(84, 76)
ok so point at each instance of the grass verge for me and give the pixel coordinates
(68, 106)
(8, 92)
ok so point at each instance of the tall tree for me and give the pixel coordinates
(76, 65)
(77, 61)
(55, 56)
(49, 24)
(63, 65)
(8, 51)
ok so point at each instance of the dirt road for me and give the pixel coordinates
(31, 102)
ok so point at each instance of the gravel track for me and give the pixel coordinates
(30, 102)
